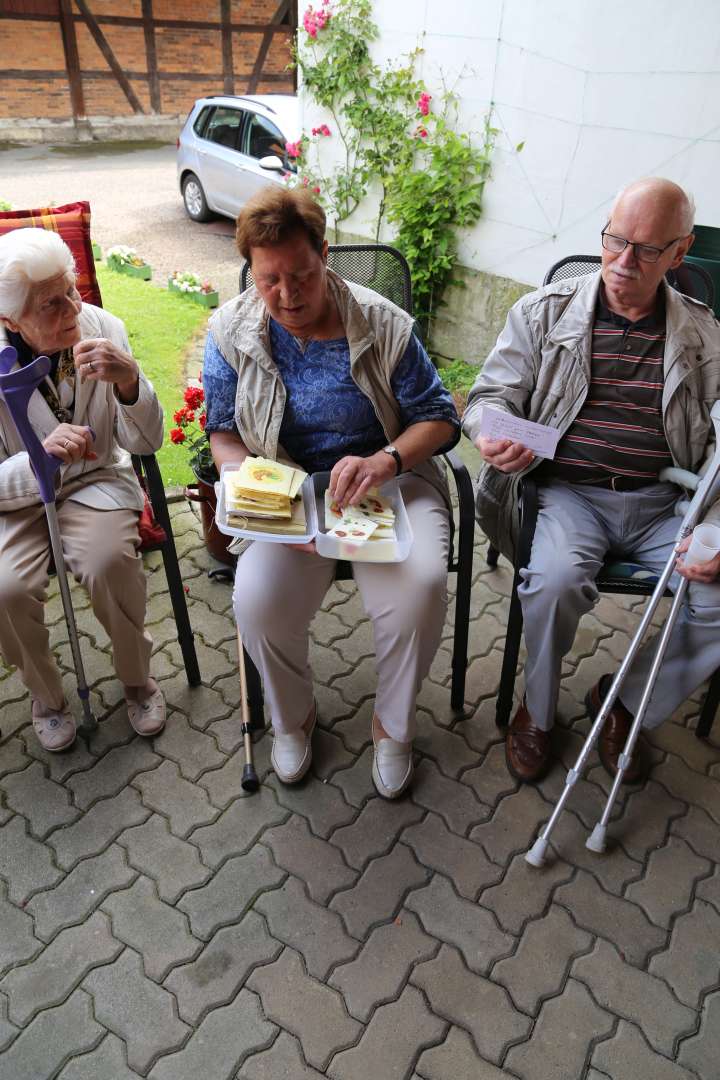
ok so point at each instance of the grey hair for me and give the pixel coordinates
(686, 204)
(28, 257)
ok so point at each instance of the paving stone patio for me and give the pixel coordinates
(156, 922)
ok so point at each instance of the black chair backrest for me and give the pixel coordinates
(687, 278)
(377, 266)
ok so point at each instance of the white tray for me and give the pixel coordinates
(376, 551)
(308, 498)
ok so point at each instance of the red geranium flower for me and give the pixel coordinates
(177, 435)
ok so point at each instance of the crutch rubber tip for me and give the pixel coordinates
(249, 780)
(596, 839)
(536, 854)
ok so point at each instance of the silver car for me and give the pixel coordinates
(231, 147)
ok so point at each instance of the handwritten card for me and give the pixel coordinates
(496, 424)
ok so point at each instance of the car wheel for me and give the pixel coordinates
(194, 199)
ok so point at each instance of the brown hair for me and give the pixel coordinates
(274, 214)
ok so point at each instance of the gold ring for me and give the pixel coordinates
(90, 365)
(66, 443)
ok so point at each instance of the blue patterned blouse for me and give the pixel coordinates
(326, 415)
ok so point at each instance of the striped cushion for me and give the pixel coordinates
(72, 222)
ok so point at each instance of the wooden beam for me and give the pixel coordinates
(227, 49)
(104, 47)
(72, 60)
(282, 13)
(151, 55)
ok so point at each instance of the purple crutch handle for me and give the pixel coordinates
(16, 387)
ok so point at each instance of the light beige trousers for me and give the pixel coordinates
(278, 590)
(100, 549)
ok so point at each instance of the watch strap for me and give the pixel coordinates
(396, 455)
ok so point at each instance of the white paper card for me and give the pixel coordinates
(497, 424)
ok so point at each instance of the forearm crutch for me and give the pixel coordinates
(249, 780)
(16, 388)
(706, 489)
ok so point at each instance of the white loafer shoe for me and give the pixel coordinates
(55, 728)
(392, 767)
(291, 754)
(147, 717)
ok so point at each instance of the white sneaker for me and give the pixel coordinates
(55, 728)
(392, 767)
(147, 717)
(291, 753)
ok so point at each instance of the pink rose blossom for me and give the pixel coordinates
(423, 103)
(293, 149)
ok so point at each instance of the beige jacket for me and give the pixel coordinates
(378, 333)
(120, 430)
(540, 370)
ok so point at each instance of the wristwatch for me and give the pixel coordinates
(393, 450)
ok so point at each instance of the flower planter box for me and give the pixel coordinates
(97, 251)
(143, 272)
(205, 299)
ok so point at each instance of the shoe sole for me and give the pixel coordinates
(610, 769)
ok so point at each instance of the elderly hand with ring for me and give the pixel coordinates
(70, 442)
(101, 360)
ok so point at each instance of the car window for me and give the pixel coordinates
(223, 126)
(262, 138)
(201, 120)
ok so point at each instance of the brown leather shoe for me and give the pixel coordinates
(615, 732)
(527, 748)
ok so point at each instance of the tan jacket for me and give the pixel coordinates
(378, 333)
(120, 430)
(540, 370)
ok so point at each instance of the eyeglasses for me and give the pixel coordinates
(644, 252)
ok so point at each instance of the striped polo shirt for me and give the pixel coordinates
(617, 439)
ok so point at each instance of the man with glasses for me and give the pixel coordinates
(627, 369)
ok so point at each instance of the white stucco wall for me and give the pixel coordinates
(600, 93)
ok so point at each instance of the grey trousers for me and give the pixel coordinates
(278, 590)
(576, 527)
(100, 549)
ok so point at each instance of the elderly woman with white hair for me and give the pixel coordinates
(92, 411)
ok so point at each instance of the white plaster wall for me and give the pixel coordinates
(600, 92)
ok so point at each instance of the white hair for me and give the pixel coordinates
(28, 257)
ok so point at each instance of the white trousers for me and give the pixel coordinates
(278, 590)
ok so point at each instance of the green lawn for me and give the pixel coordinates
(161, 327)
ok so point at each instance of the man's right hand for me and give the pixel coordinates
(502, 454)
(70, 442)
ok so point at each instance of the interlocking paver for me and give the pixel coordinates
(202, 703)
(646, 818)
(456, 1059)
(78, 894)
(709, 889)
(230, 892)
(174, 864)
(380, 890)
(305, 1007)
(112, 772)
(223, 785)
(491, 780)
(667, 886)
(382, 965)
(559, 1045)
(25, 864)
(513, 825)
(539, 967)
(699, 831)
(137, 1010)
(154, 929)
(17, 940)
(469, 927)
(701, 1052)
(216, 975)
(697, 754)
(689, 786)
(329, 754)
(42, 1047)
(8, 1031)
(454, 801)
(310, 929)
(614, 871)
(623, 923)
(636, 995)
(524, 893)
(450, 751)
(184, 804)
(48, 979)
(315, 861)
(322, 804)
(97, 827)
(191, 750)
(353, 725)
(392, 1041)
(224, 1038)
(282, 1061)
(688, 965)
(375, 829)
(12, 756)
(239, 826)
(627, 1054)
(475, 1004)
(356, 782)
(465, 863)
(107, 1062)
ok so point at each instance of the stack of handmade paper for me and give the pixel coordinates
(373, 518)
(264, 496)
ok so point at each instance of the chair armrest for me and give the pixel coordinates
(150, 469)
(461, 556)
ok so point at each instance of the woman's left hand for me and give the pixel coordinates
(352, 477)
(98, 359)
